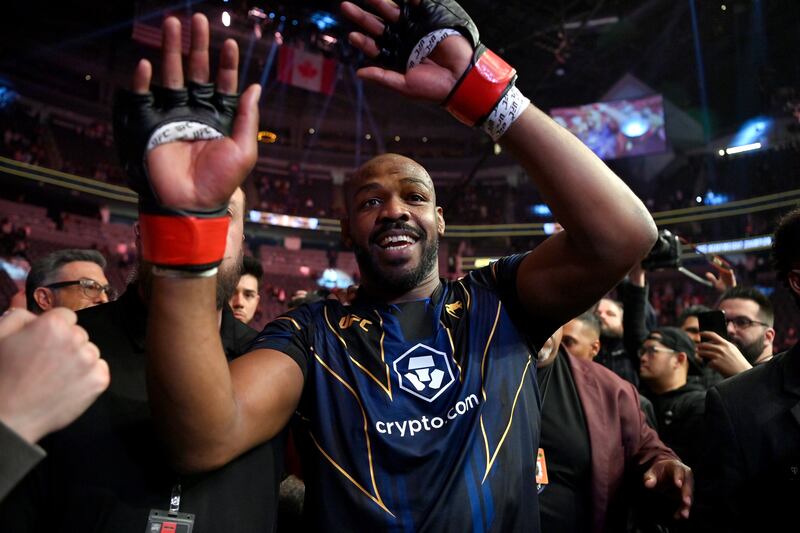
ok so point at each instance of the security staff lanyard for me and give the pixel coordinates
(172, 521)
(541, 463)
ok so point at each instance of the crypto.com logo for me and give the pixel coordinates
(424, 372)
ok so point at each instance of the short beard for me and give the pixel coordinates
(403, 282)
(751, 351)
(610, 333)
(227, 280)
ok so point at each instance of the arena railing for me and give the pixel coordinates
(42, 175)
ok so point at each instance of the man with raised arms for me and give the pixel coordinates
(418, 403)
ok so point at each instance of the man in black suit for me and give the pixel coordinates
(107, 471)
(750, 480)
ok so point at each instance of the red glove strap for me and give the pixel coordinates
(183, 241)
(481, 87)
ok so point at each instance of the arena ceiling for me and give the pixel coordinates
(567, 51)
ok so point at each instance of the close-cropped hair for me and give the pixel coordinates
(591, 321)
(766, 311)
(692, 310)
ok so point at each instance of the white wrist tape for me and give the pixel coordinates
(163, 272)
(183, 130)
(426, 45)
(508, 109)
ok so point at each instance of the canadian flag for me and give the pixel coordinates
(306, 70)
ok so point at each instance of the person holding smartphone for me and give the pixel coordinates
(748, 335)
(373, 384)
(749, 479)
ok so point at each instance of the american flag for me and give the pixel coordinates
(147, 30)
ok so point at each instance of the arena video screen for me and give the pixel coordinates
(617, 129)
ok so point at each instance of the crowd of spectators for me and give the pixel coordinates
(670, 293)
(84, 147)
(22, 138)
(81, 147)
(13, 239)
(477, 203)
(294, 191)
(176, 401)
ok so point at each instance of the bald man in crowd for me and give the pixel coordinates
(108, 471)
(416, 401)
(581, 339)
(581, 336)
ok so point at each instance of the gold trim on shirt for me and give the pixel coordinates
(483, 390)
(385, 388)
(290, 319)
(376, 497)
(453, 351)
(510, 420)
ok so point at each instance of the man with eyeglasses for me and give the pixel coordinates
(667, 356)
(108, 470)
(749, 316)
(750, 478)
(455, 357)
(68, 278)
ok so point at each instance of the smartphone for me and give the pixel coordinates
(713, 321)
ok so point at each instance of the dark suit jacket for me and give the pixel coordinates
(623, 445)
(750, 479)
(105, 471)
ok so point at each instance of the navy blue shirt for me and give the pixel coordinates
(421, 416)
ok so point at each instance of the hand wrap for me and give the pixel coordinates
(485, 94)
(484, 83)
(188, 240)
(400, 38)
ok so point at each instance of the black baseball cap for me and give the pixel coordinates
(677, 339)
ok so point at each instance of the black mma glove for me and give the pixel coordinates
(485, 83)
(191, 241)
(401, 38)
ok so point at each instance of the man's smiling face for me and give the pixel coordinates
(393, 223)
